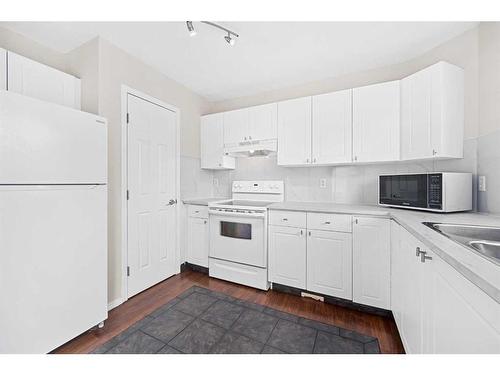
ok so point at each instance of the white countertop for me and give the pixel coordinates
(480, 271)
(202, 201)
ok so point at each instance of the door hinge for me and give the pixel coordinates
(128, 271)
(128, 118)
(128, 194)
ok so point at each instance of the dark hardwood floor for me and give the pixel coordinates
(146, 302)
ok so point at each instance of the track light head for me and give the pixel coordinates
(190, 27)
(229, 39)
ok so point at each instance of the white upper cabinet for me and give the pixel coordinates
(329, 263)
(432, 113)
(263, 122)
(371, 261)
(3, 69)
(294, 132)
(235, 126)
(376, 120)
(332, 128)
(40, 81)
(250, 124)
(212, 143)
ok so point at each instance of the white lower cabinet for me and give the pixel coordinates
(287, 256)
(329, 263)
(371, 261)
(437, 310)
(198, 238)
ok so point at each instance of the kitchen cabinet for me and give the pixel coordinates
(376, 122)
(332, 128)
(436, 309)
(31, 78)
(250, 124)
(198, 236)
(294, 132)
(371, 261)
(287, 256)
(212, 143)
(3, 69)
(432, 113)
(458, 318)
(263, 122)
(329, 263)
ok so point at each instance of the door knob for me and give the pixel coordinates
(171, 202)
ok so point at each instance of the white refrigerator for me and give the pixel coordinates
(53, 223)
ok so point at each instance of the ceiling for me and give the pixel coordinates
(267, 56)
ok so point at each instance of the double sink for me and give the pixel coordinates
(483, 240)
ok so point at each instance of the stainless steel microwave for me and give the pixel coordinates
(437, 191)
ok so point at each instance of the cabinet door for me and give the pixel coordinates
(197, 249)
(416, 119)
(212, 143)
(398, 276)
(287, 256)
(412, 288)
(332, 127)
(458, 316)
(263, 122)
(236, 126)
(329, 263)
(40, 81)
(294, 132)
(376, 122)
(371, 261)
(3, 69)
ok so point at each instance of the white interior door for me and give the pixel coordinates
(152, 185)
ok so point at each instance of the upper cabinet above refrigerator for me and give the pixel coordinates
(31, 78)
(432, 113)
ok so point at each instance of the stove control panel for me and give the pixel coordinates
(263, 187)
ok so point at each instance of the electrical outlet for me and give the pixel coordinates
(216, 182)
(482, 183)
(322, 183)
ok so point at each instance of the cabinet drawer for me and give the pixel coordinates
(332, 222)
(288, 218)
(198, 211)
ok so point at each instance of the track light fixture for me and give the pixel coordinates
(192, 31)
(230, 37)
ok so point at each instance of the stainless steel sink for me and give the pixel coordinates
(483, 240)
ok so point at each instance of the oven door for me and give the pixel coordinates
(409, 190)
(239, 237)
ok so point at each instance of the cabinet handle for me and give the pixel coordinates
(301, 232)
(314, 160)
(424, 257)
(418, 251)
(326, 223)
(204, 221)
(197, 212)
(245, 138)
(309, 233)
(284, 219)
(355, 158)
(307, 160)
(434, 152)
(249, 137)
(355, 221)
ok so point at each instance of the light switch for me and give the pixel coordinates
(482, 183)
(216, 182)
(322, 183)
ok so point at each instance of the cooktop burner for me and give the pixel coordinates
(244, 203)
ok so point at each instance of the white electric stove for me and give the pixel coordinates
(238, 233)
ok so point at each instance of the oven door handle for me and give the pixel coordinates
(237, 214)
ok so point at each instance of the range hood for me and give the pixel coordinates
(252, 149)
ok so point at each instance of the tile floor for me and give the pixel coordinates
(203, 321)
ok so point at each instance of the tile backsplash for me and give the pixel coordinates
(356, 184)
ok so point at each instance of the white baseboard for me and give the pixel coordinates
(117, 302)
